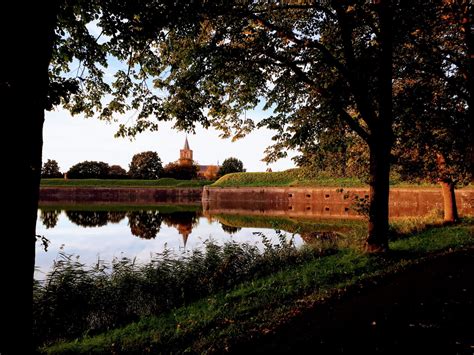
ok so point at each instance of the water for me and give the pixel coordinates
(105, 233)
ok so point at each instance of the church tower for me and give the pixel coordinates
(185, 154)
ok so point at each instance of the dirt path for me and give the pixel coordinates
(427, 309)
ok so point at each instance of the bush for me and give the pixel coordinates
(51, 170)
(117, 172)
(89, 170)
(231, 165)
(181, 172)
(146, 165)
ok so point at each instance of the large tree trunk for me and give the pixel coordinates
(24, 85)
(377, 239)
(449, 202)
(380, 141)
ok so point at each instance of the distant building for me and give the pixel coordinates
(208, 172)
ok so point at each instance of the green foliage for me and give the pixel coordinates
(433, 99)
(181, 172)
(50, 170)
(117, 172)
(164, 182)
(146, 165)
(231, 165)
(223, 318)
(338, 153)
(89, 170)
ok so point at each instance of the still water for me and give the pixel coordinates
(108, 232)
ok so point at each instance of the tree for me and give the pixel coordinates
(211, 172)
(89, 170)
(181, 172)
(117, 172)
(64, 37)
(331, 60)
(434, 136)
(51, 170)
(146, 165)
(231, 165)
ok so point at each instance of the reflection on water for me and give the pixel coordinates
(101, 232)
(145, 224)
(49, 218)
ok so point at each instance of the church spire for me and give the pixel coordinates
(186, 154)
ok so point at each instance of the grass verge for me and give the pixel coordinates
(255, 307)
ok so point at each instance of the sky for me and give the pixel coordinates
(70, 140)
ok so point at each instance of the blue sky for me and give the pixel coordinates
(70, 140)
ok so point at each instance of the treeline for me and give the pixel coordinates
(144, 166)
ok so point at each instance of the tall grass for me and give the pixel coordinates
(75, 299)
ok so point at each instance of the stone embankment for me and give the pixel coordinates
(119, 195)
(325, 201)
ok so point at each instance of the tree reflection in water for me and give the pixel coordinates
(116, 216)
(49, 218)
(145, 224)
(88, 218)
(183, 221)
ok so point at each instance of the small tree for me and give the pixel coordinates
(231, 165)
(117, 172)
(89, 170)
(51, 170)
(211, 172)
(146, 165)
(181, 172)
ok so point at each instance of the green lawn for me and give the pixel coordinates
(255, 307)
(165, 182)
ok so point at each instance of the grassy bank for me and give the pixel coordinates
(256, 304)
(292, 177)
(165, 182)
(295, 178)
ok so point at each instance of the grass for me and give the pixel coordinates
(257, 305)
(296, 178)
(292, 177)
(165, 182)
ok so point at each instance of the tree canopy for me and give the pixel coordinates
(51, 169)
(146, 165)
(231, 165)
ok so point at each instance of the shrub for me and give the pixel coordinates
(117, 172)
(89, 170)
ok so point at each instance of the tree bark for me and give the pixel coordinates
(377, 239)
(24, 86)
(380, 140)
(449, 202)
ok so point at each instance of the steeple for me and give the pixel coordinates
(185, 154)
